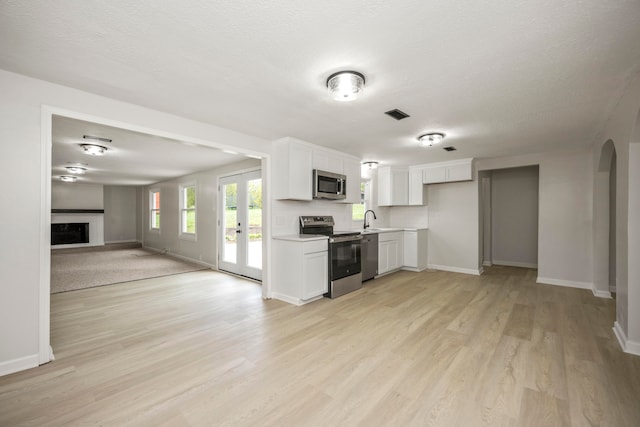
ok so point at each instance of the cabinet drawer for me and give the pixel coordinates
(314, 246)
(394, 235)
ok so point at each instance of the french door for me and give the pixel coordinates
(240, 224)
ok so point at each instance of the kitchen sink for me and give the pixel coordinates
(376, 230)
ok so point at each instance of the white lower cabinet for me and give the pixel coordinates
(300, 270)
(415, 249)
(315, 274)
(390, 251)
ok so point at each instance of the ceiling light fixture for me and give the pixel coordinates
(370, 164)
(94, 150)
(345, 85)
(429, 139)
(66, 178)
(77, 170)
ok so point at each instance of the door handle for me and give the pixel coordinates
(238, 231)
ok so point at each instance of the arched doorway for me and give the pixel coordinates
(605, 222)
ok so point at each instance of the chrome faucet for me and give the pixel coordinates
(365, 225)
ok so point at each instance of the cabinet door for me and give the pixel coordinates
(416, 187)
(383, 257)
(315, 274)
(384, 186)
(460, 172)
(434, 175)
(399, 187)
(411, 249)
(395, 255)
(352, 171)
(327, 161)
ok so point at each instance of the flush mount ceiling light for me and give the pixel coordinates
(94, 150)
(345, 85)
(77, 170)
(429, 139)
(370, 165)
(66, 178)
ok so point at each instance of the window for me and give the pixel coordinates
(188, 209)
(358, 210)
(154, 210)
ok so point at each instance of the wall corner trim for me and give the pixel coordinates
(627, 346)
(566, 283)
(473, 271)
(19, 364)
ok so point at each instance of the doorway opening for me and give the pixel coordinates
(509, 217)
(607, 169)
(50, 160)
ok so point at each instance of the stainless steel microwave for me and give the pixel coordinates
(329, 185)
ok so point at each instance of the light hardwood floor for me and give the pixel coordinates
(431, 348)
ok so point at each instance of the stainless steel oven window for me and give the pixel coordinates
(345, 258)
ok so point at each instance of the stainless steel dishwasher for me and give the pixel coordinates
(369, 256)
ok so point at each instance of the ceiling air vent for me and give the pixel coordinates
(449, 148)
(397, 114)
(96, 138)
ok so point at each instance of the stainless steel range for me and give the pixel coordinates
(344, 254)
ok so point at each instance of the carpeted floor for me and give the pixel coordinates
(80, 268)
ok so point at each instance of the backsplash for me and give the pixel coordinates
(409, 216)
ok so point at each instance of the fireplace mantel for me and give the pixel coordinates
(77, 211)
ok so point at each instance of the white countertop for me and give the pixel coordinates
(388, 229)
(301, 237)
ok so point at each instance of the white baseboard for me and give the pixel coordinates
(567, 283)
(630, 347)
(113, 242)
(19, 364)
(293, 300)
(601, 294)
(475, 272)
(487, 263)
(481, 270)
(415, 270)
(515, 264)
(183, 258)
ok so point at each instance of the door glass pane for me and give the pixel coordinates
(230, 221)
(254, 202)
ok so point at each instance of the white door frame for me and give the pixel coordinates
(242, 268)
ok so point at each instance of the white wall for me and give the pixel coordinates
(623, 128)
(74, 195)
(453, 226)
(120, 205)
(23, 301)
(409, 216)
(203, 249)
(514, 217)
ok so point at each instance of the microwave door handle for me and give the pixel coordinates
(342, 189)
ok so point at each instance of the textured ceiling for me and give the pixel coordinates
(499, 77)
(133, 158)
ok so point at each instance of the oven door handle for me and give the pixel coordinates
(342, 239)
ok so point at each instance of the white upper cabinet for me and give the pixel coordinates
(393, 186)
(293, 165)
(351, 168)
(328, 161)
(293, 171)
(457, 170)
(417, 190)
